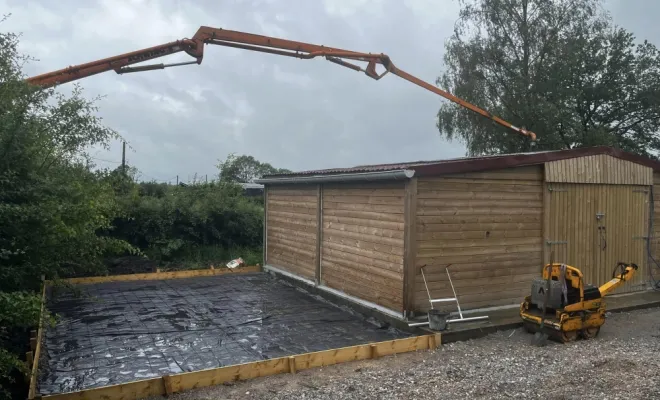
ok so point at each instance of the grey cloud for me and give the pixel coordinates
(298, 114)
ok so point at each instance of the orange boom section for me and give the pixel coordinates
(248, 41)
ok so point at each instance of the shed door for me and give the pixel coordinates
(593, 226)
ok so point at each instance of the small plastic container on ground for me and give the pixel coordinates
(437, 319)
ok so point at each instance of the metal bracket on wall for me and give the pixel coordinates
(640, 191)
(640, 237)
(551, 189)
(551, 242)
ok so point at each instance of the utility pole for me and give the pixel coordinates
(207, 179)
(123, 158)
(177, 180)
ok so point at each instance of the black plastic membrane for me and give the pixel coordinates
(118, 332)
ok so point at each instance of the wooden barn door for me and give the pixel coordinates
(624, 211)
(594, 226)
(568, 225)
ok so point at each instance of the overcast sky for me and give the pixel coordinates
(296, 114)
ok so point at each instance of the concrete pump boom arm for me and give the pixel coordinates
(223, 37)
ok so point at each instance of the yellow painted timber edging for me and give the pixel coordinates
(216, 376)
(34, 372)
(162, 275)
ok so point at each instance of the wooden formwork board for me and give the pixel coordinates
(216, 376)
(34, 371)
(162, 275)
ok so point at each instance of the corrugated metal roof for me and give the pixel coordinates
(469, 164)
(403, 165)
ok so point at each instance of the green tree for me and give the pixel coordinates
(244, 169)
(52, 204)
(560, 68)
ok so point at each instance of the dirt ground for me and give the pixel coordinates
(623, 362)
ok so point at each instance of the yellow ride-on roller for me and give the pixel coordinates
(572, 308)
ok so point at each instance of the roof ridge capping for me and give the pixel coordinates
(360, 176)
(453, 166)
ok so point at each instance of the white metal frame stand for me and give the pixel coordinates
(447, 300)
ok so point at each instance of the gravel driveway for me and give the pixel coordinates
(623, 362)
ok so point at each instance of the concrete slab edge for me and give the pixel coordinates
(397, 321)
(360, 306)
(640, 306)
(476, 333)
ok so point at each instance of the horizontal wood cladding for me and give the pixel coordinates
(291, 229)
(362, 241)
(654, 241)
(600, 168)
(488, 226)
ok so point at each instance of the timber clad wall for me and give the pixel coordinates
(291, 227)
(655, 232)
(496, 228)
(595, 245)
(488, 225)
(597, 214)
(362, 241)
(600, 168)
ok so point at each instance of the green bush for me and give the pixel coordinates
(52, 204)
(59, 217)
(197, 223)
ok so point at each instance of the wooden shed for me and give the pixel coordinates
(366, 232)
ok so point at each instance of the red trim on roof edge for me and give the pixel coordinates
(520, 160)
(475, 164)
